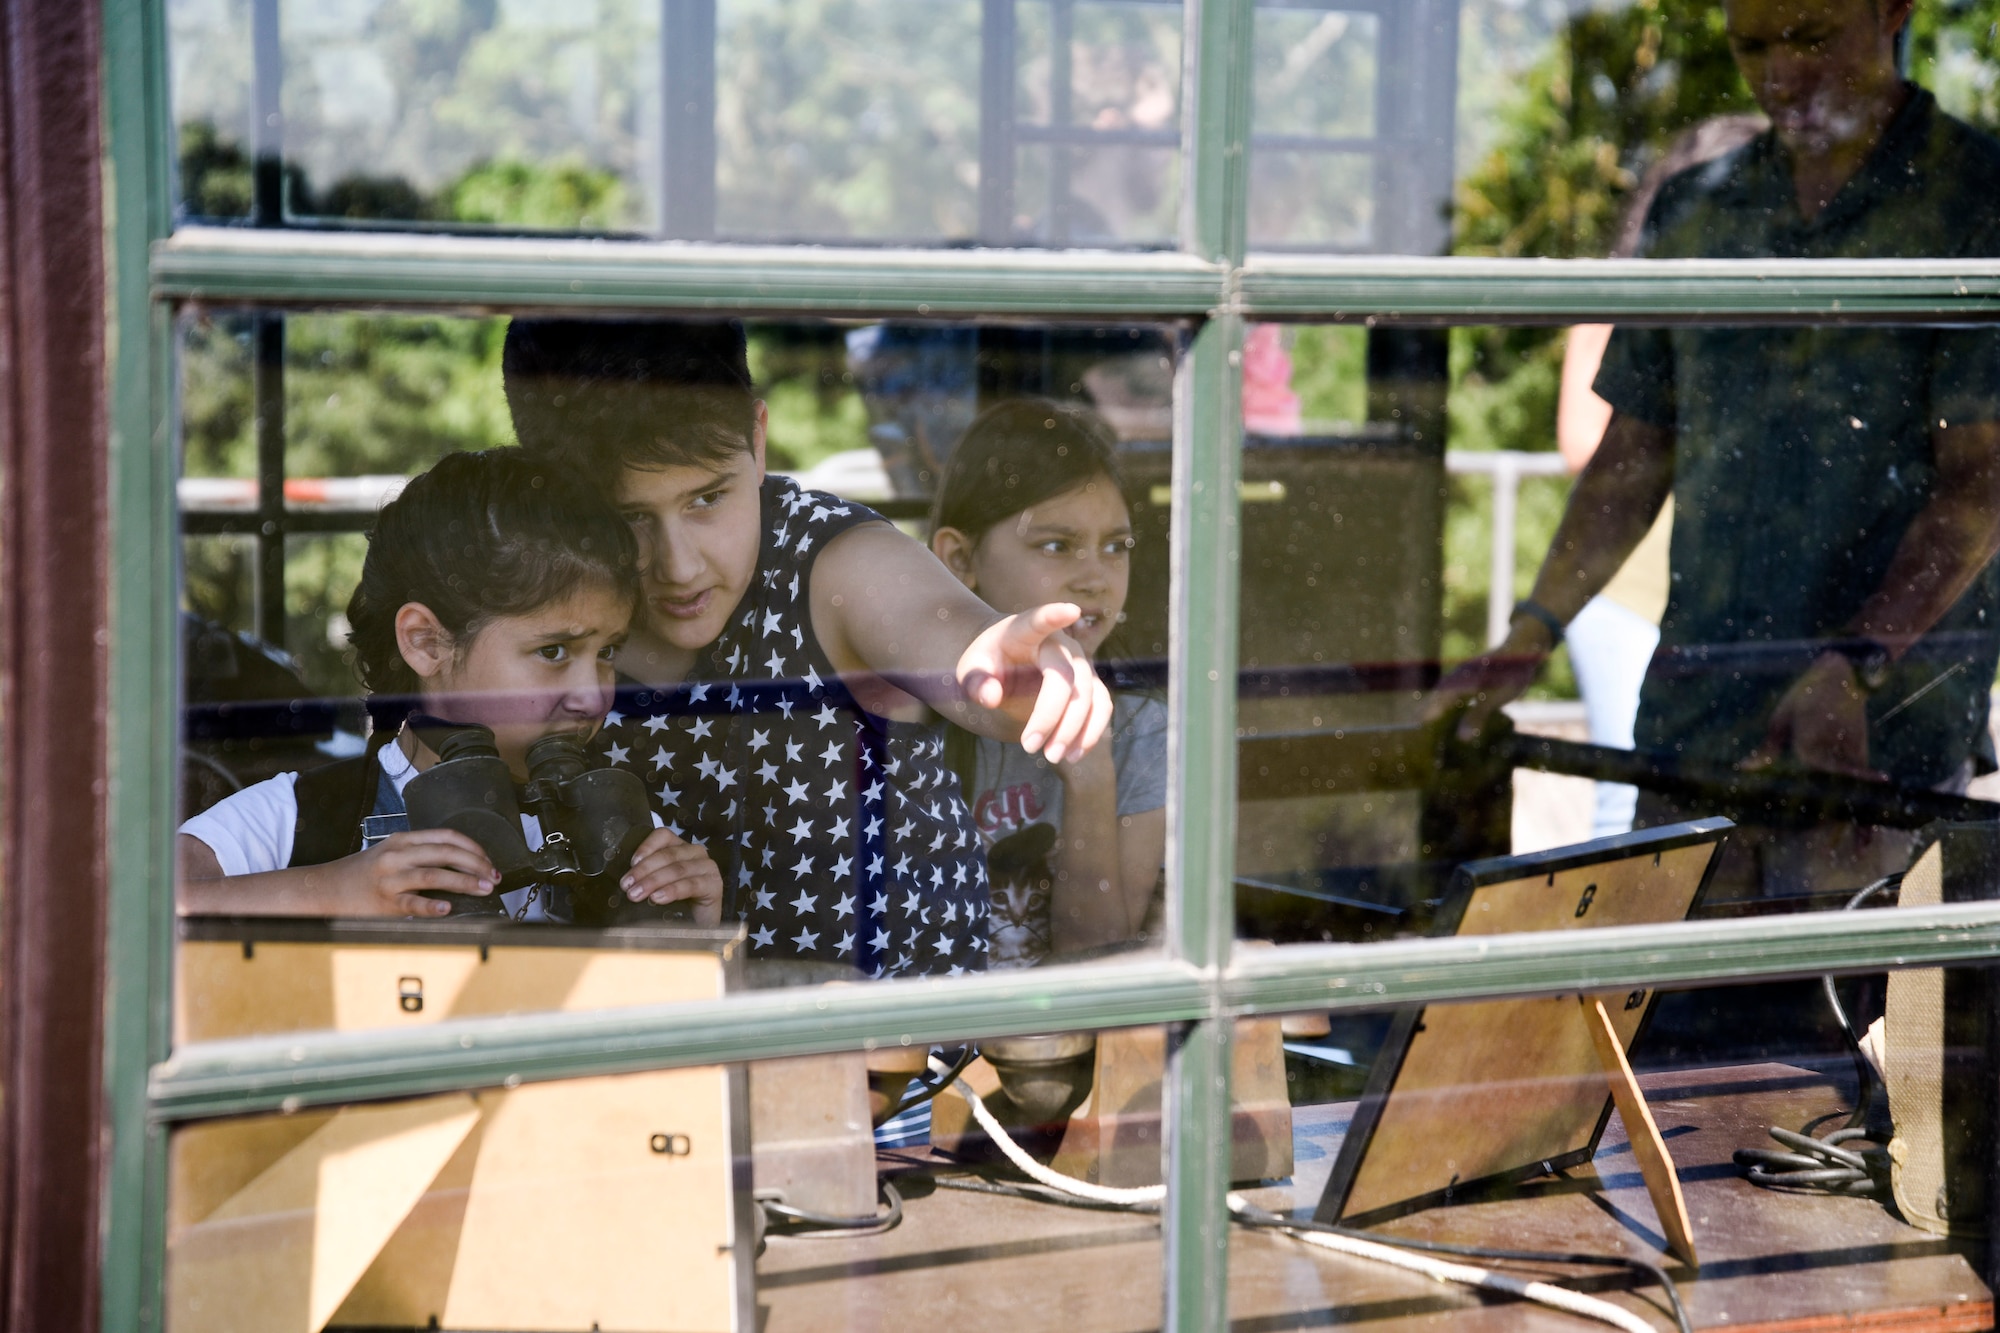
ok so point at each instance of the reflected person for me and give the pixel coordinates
(1836, 489)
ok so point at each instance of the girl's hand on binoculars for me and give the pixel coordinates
(385, 878)
(669, 869)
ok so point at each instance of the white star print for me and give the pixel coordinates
(836, 791)
(944, 945)
(872, 827)
(798, 635)
(793, 752)
(804, 903)
(875, 865)
(841, 867)
(776, 664)
(958, 876)
(838, 831)
(735, 699)
(797, 791)
(805, 543)
(937, 842)
(800, 832)
(616, 754)
(774, 623)
(762, 939)
(805, 939)
(937, 877)
(914, 902)
(803, 868)
(668, 796)
(819, 514)
(767, 772)
(879, 903)
(724, 778)
(813, 682)
(706, 767)
(702, 726)
(758, 740)
(845, 907)
(881, 940)
(951, 913)
(697, 693)
(873, 792)
(614, 718)
(661, 759)
(780, 533)
(656, 723)
(786, 706)
(825, 715)
(764, 897)
(846, 944)
(831, 754)
(903, 865)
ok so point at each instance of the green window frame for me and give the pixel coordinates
(1200, 985)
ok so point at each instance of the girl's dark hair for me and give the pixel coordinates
(1017, 455)
(478, 537)
(608, 394)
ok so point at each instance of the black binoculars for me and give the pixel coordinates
(592, 821)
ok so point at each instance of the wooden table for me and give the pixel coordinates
(968, 1263)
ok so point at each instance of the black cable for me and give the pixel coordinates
(805, 1222)
(937, 1076)
(1864, 1069)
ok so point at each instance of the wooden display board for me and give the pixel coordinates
(1463, 1097)
(616, 1203)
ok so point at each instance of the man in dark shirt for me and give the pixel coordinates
(1837, 489)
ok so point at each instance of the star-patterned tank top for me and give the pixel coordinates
(841, 835)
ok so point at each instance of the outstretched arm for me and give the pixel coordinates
(1616, 499)
(885, 608)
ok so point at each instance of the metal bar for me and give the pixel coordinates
(1084, 136)
(1675, 955)
(297, 267)
(1656, 291)
(322, 1068)
(997, 130)
(1202, 615)
(1196, 1109)
(241, 266)
(1500, 585)
(266, 1074)
(137, 162)
(267, 115)
(267, 376)
(1062, 22)
(687, 131)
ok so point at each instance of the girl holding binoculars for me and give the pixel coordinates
(495, 593)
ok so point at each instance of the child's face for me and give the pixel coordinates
(1075, 547)
(698, 530)
(532, 675)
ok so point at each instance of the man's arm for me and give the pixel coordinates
(1822, 719)
(1614, 503)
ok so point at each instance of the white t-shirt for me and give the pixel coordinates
(250, 832)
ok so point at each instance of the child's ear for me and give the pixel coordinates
(954, 548)
(422, 640)
(757, 433)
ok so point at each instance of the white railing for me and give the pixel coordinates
(859, 474)
(1506, 467)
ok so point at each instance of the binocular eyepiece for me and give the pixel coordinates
(592, 821)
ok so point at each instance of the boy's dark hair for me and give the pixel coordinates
(479, 536)
(607, 394)
(1017, 455)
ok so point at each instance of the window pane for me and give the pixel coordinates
(1506, 1127)
(1499, 128)
(736, 120)
(1761, 504)
(760, 681)
(732, 1184)
(523, 114)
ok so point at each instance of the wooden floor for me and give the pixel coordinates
(970, 1263)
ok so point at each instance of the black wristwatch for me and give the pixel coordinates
(1870, 660)
(1534, 610)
